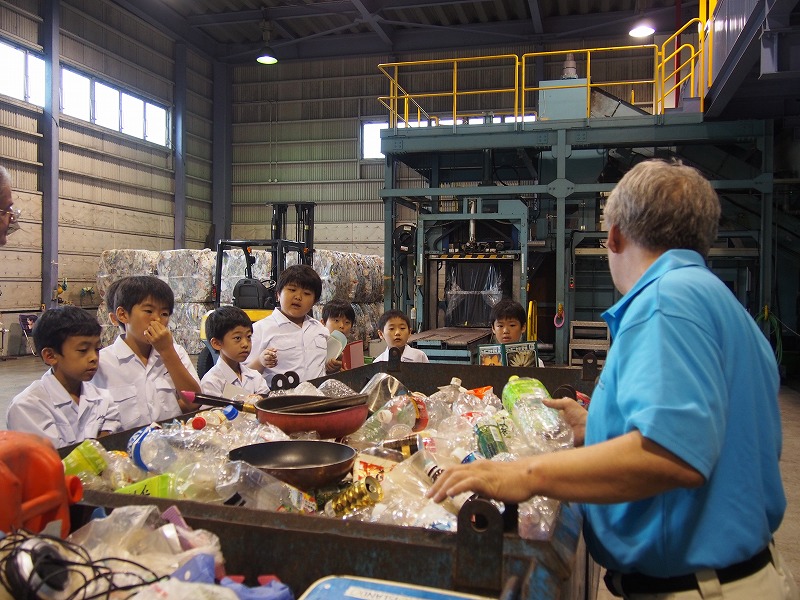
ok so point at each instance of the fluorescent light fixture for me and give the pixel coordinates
(267, 56)
(642, 30)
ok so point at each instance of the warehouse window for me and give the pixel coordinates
(102, 104)
(23, 74)
(371, 140)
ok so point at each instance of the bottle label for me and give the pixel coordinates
(135, 446)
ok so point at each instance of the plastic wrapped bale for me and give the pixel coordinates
(369, 286)
(185, 324)
(108, 331)
(116, 264)
(233, 269)
(339, 272)
(190, 273)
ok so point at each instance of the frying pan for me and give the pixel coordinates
(305, 464)
(330, 417)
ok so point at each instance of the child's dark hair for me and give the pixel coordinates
(55, 325)
(338, 308)
(393, 314)
(303, 276)
(138, 288)
(508, 309)
(224, 319)
(111, 292)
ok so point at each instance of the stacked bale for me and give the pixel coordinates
(355, 278)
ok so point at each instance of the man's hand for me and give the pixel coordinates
(574, 414)
(269, 358)
(505, 481)
(159, 336)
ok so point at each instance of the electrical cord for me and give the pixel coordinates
(43, 567)
(766, 316)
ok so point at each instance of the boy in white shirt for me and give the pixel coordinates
(230, 331)
(289, 339)
(508, 323)
(64, 406)
(394, 327)
(144, 369)
(337, 315)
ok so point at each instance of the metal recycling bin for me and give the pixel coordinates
(486, 556)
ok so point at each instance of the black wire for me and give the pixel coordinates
(99, 570)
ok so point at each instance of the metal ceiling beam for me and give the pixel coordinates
(368, 16)
(536, 16)
(165, 19)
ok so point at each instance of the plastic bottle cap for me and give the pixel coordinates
(455, 381)
(230, 412)
(198, 423)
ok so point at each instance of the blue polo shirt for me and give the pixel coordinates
(691, 371)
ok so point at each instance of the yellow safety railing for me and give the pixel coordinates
(584, 58)
(689, 66)
(677, 68)
(404, 106)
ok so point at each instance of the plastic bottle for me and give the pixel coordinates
(258, 489)
(425, 464)
(543, 427)
(88, 457)
(163, 450)
(488, 437)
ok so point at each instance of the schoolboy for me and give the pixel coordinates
(229, 331)
(109, 301)
(337, 315)
(508, 323)
(144, 369)
(395, 328)
(289, 339)
(64, 406)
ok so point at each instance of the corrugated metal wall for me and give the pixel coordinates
(114, 191)
(297, 128)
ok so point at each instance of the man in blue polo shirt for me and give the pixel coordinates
(678, 470)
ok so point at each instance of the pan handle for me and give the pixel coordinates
(208, 400)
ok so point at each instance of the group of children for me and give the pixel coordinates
(91, 392)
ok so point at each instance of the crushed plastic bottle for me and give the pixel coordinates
(258, 489)
(167, 449)
(543, 427)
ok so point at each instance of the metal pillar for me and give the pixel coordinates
(49, 149)
(180, 146)
(221, 152)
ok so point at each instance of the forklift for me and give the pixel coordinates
(254, 296)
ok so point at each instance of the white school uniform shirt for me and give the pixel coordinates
(46, 408)
(143, 393)
(221, 376)
(300, 349)
(409, 355)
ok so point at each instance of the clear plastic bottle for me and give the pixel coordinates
(165, 450)
(258, 489)
(543, 427)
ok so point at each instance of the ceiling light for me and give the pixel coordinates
(642, 29)
(266, 56)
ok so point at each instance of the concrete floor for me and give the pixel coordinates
(16, 374)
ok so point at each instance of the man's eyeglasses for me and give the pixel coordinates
(13, 222)
(14, 212)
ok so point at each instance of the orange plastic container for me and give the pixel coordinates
(33, 488)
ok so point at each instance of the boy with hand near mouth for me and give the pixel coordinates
(64, 406)
(337, 315)
(230, 331)
(144, 369)
(289, 339)
(395, 328)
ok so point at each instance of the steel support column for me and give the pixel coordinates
(767, 198)
(180, 146)
(389, 223)
(49, 149)
(221, 151)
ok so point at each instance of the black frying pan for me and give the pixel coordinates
(305, 464)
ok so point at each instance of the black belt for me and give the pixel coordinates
(637, 583)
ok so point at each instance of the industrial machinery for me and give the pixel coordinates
(253, 295)
(512, 207)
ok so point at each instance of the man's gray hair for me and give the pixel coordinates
(664, 205)
(5, 178)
